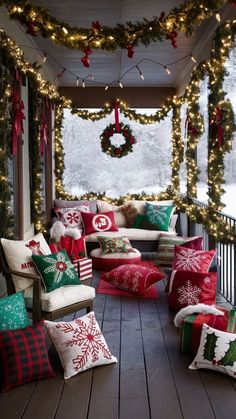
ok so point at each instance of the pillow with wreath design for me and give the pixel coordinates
(80, 344)
(56, 270)
(115, 245)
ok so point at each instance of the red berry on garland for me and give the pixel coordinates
(31, 29)
(87, 51)
(172, 36)
(130, 51)
(117, 151)
(132, 140)
(214, 362)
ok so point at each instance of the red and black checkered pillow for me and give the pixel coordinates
(23, 356)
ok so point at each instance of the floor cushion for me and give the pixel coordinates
(112, 260)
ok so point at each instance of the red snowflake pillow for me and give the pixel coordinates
(192, 260)
(134, 278)
(80, 344)
(104, 221)
(190, 288)
(71, 217)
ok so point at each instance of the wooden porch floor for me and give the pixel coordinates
(150, 381)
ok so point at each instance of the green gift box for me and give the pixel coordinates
(192, 328)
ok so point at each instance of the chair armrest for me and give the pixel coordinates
(24, 275)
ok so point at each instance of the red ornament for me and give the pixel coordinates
(173, 37)
(85, 61)
(96, 26)
(85, 58)
(31, 29)
(130, 49)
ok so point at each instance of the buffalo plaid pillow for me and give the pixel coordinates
(23, 356)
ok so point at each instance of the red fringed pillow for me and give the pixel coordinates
(134, 278)
(192, 260)
(190, 288)
(24, 356)
(104, 221)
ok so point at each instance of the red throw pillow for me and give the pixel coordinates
(134, 278)
(194, 243)
(24, 356)
(192, 260)
(104, 221)
(190, 288)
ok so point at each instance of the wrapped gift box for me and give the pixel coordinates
(84, 268)
(192, 328)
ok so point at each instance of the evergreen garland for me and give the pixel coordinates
(36, 200)
(177, 148)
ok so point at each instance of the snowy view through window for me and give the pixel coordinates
(147, 168)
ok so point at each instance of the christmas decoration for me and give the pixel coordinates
(130, 49)
(85, 58)
(188, 294)
(184, 18)
(121, 150)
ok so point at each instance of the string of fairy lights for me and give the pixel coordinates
(213, 223)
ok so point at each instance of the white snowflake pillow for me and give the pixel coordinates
(217, 351)
(71, 217)
(188, 288)
(80, 344)
(192, 260)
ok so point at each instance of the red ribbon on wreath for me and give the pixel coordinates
(117, 122)
(17, 112)
(217, 121)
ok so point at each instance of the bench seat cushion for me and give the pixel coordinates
(131, 233)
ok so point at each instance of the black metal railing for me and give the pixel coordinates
(226, 254)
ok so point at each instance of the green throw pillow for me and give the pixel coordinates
(13, 314)
(56, 270)
(158, 216)
(115, 245)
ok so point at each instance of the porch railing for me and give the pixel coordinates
(226, 253)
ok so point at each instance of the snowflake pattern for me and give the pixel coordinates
(73, 218)
(59, 267)
(189, 260)
(189, 294)
(88, 337)
(158, 214)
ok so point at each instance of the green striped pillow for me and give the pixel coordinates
(165, 253)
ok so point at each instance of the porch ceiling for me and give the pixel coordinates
(109, 67)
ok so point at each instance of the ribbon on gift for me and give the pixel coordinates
(117, 122)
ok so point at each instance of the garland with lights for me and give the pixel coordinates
(194, 130)
(177, 148)
(6, 214)
(121, 150)
(221, 115)
(126, 36)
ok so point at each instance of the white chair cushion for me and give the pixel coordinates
(61, 297)
(18, 254)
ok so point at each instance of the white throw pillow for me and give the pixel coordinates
(18, 254)
(80, 344)
(120, 219)
(217, 351)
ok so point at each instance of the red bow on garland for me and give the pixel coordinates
(18, 113)
(85, 58)
(217, 122)
(189, 128)
(117, 122)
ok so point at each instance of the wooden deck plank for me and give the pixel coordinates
(104, 401)
(191, 393)
(133, 384)
(15, 401)
(163, 396)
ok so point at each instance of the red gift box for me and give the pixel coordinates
(192, 328)
(84, 267)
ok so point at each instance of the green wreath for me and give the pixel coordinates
(123, 149)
